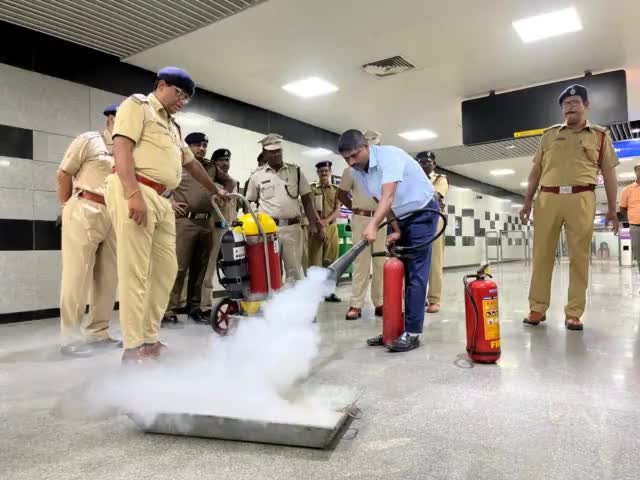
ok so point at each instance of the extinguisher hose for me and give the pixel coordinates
(476, 314)
(401, 249)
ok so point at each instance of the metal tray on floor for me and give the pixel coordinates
(247, 430)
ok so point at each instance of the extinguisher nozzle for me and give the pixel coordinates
(337, 268)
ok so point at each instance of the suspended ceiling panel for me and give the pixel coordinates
(119, 27)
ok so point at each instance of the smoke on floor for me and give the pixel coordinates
(248, 374)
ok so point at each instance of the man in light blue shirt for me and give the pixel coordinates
(399, 186)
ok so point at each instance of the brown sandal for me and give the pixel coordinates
(573, 323)
(353, 313)
(534, 319)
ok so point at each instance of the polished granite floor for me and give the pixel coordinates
(559, 405)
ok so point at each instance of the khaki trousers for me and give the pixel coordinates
(362, 265)
(88, 264)
(290, 243)
(193, 247)
(323, 252)
(576, 212)
(434, 291)
(147, 263)
(206, 301)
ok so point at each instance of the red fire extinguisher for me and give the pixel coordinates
(392, 318)
(481, 312)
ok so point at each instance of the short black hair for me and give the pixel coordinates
(351, 140)
(637, 167)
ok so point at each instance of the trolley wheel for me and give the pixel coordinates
(220, 315)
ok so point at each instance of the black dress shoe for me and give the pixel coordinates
(375, 341)
(77, 349)
(378, 311)
(196, 315)
(332, 298)
(404, 343)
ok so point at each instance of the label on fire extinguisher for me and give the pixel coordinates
(491, 324)
(238, 253)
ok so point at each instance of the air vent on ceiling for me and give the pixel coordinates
(388, 66)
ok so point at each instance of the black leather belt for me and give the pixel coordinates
(283, 222)
(198, 216)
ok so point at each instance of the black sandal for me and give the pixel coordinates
(576, 324)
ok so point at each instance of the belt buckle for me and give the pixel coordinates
(565, 190)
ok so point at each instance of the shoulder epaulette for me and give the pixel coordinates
(140, 98)
(599, 128)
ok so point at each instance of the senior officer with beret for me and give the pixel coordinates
(149, 155)
(88, 242)
(324, 251)
(221, 159)
(394, 178)
(276, 187)
(564, 175)
(192, 204)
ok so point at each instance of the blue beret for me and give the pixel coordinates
(221, 153)
(178, 77)
(574, 90)
(324, 163)
(196, 137)
(111, 109)
(427, 155)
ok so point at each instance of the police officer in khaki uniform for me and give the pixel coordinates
(427, 161)
(324, 251)
(192, 204)
(221, 158)
(565, 167)
(88, 242)
(304, 223)
(149, 155)
(362, 206)
(276, 188)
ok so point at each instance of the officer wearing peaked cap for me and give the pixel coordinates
(427, 161)
(149, 156)
(564, 176)
(324, 251)
(276, 187)
(88, 242)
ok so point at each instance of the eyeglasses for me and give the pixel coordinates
(571, 103)
(182, 95)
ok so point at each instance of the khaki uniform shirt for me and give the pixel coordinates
(325, 199)
(229, 209)
(440, 185)
(160, 152)
(570, 157)
(277, 192)
(359, 199)
(191, 192)
(89, 160)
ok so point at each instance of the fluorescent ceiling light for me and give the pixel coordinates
(626, 175)
(310, 87)
(635, 130)
(5, 163)
(417, 135)
(524, 184)
(317, 152)
(505, 200)
(532, 29)
(517, 205)
(501, 172)
(462, 189)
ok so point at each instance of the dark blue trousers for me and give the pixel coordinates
(416, 230)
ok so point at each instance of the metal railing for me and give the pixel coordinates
(490, 234)
(522, 235)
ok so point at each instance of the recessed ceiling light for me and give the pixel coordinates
(517, 205)
(502, 171)
(317, 152)
(626, 175)
(417, 135)
(462, 189)
(532, 29)
(524, 184)
(310, 87)
(505, 200)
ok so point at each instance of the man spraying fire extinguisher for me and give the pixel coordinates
(399, 186)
